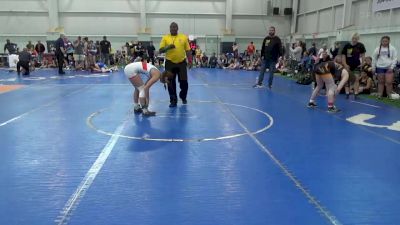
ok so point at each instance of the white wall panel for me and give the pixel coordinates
(325, 21)
(23, 23)
(300, 24)
(23, 5)
(361, 16)
(311, 5)
(186, 7)
(396, 17)
(371, 26)
(99, 6)
(99, 24)
(258, 26)
(188, 24)
(258, 7)
(338, 17)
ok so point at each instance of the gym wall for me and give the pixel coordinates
(326, 19)
(24, 20)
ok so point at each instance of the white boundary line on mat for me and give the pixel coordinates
(90, 176)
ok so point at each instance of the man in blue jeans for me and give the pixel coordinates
(270, 52)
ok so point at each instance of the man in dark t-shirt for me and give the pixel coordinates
(10, 47)
(60, 51)
(271, 50)
(351, 55)
(150, 52)
(105, 49)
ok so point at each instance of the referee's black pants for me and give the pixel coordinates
(179, 69)
(23, 64)
(60, 61)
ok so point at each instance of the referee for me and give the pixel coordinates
(176, 47)
(25, 58)
(60, 51)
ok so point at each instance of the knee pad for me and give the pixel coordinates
(141, 91)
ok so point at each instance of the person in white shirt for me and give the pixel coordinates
(322, 50)
(133, 72)
(296, 52)
(384, 60)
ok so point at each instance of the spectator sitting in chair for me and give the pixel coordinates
(204, 60)
(198, 56)
(244, 64)
(367, 67)
(49, 63)
(255, 64)
(281, 66)
(213, 62)
(119, 58)
(250, 66)
(233, 65)
(222, 61)
(24, 61)
(366, 83)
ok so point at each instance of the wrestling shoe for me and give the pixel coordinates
(137, 110)
(333, 109)
(148, 113)
(312, 105)
(258, 86)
